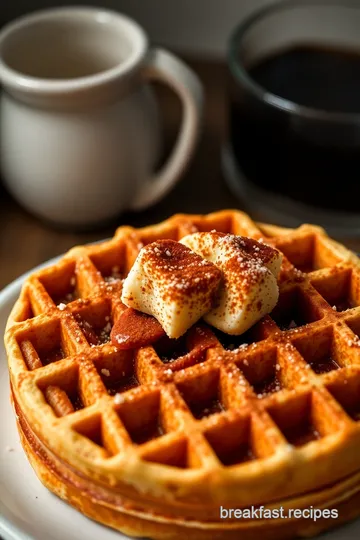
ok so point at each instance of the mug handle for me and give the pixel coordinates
(164, 66)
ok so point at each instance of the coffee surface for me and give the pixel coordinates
(326, 79)
(309, 158)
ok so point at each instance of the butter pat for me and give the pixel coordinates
(249, 289)
(172, 283)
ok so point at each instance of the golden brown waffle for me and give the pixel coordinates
(254, 419)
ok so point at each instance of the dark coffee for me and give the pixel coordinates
(314, 158)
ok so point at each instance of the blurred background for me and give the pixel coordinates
(195, 28)
(198, 31)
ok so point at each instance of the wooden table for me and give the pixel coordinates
(26, 242)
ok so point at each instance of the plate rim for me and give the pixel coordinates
(8, 529)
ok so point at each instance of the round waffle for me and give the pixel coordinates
(150, 441)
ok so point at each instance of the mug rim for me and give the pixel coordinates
(240, 73)
(17, 80)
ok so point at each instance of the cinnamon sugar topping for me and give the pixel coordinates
(228, 279)
(172, 283)
(249, 289)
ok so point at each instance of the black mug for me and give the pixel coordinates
(293, 151)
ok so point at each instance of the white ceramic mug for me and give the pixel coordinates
(79, 126)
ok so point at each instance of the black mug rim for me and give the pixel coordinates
(240, 73)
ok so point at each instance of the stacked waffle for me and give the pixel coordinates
(155, 441)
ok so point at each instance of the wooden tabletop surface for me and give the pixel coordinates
(26, 242)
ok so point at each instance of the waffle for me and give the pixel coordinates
(153, 441)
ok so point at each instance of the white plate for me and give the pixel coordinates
(28, 511)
